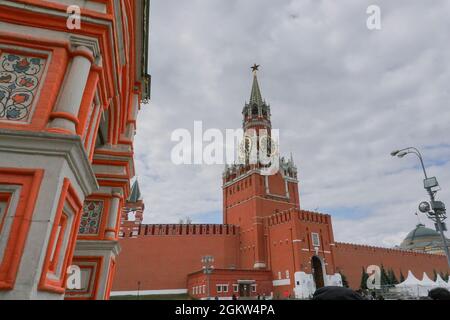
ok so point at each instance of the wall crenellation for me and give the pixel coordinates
(187, 229)
(303, 215)
(312, 216)
(352, 246)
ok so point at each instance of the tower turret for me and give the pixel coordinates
(256, 113)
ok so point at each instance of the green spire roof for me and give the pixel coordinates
(255, 96)
(135, 195)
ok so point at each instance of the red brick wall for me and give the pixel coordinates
(290, 246)
(246, 203)
(277, 185)
(350, 259)
(163, 262)
(162, 256)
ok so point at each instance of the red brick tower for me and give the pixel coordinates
(248, 194)
(132, 213)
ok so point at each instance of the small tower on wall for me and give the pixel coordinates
(249, 194)
(132, 213)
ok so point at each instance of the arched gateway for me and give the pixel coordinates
(317, 269)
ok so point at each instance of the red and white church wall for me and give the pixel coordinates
(68, 105)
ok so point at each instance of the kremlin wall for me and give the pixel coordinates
(351, 258)
(171, 252)
(162, 257)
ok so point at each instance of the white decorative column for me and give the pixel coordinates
(135, 105)
(110, 231)
(65, 116)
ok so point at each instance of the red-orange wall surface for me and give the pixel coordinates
(162, 262)
(351, 259)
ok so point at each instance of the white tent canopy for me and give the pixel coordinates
(411, 286)
(427, 285)
(441, 282)
(410, 280)
(420, 288)
(427, 282)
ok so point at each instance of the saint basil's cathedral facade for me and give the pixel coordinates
(72, 79)
(266, 246)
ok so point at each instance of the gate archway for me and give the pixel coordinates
(317, 270)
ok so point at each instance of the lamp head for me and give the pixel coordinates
(395, 152)
(402, 154)
(424, 207)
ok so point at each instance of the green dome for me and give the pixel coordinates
(421, 232)
(422, 239)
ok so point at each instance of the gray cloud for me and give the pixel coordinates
(342, 96)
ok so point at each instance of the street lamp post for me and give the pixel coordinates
(207, 262)
(435, 210)
(139, 289)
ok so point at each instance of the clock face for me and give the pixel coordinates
(268, 146)
(244, 149)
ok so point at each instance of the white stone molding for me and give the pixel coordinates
(99, 246)
(259, 265)
(53, 145)
(282, 282)
(89, 43)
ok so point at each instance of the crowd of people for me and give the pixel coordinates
(342, 293)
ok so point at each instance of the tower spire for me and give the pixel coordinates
(135, 195)
(255, 96)
(257, 112)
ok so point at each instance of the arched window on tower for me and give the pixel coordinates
(255, 110)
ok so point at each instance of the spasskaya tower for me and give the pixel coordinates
(249, 193)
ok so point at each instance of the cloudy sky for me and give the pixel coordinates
(342, 96)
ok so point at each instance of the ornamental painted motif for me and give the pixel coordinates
(90, 220)
(20, 77)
